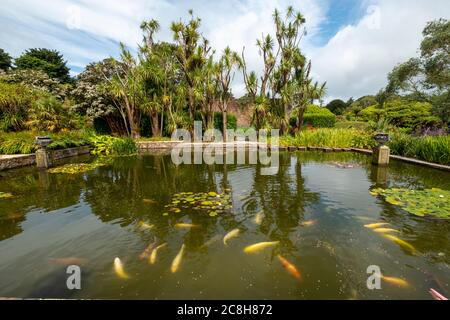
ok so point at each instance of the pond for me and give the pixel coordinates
(313, 212)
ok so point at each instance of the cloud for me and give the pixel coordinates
(354, 59)
(357, 59)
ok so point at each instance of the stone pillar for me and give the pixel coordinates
(43, 159)
(381, 155)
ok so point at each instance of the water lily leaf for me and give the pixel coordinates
(5, 195)
(429, 202)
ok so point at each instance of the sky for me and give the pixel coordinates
(352, 44)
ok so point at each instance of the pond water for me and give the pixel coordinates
(316, 206)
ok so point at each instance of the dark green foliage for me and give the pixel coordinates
(101, 126)
(231, 121)
(23, 142)
(49, 61)
(124, 146)
(337, 106)
(403, 113)
(5, 60)
(15, 100)
(319, 117)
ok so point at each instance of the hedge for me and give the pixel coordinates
(319, 117)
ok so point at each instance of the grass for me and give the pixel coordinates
(431, 149)
(331, 138)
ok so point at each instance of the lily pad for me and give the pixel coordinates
(5, 195)
(212, 203)
(429, 202)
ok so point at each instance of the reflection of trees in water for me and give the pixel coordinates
(38, 190)
(283, 199)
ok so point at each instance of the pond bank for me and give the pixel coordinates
(22, 160)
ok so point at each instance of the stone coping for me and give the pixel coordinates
(22, 160)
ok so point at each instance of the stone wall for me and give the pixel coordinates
(22, 160)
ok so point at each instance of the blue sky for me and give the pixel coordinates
(353, 44)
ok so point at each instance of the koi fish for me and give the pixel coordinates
(396, 281)
(289, 267)
(149, 201)
(146, 253)
(376, 225)
(176, 262)
(186, 225)
(152, 259)
(308, 223)
(232, 234)
(259, 218)
(118, 268)
(67, 261)
(436, 295)
(386, 230)
(260, 246)
(401, 243)
(145, 226)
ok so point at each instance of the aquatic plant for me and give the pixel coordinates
(211, 202)
(430, 202)
(75, 168)
(5, 195)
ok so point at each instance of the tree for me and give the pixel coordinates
(337, 106)
(285, 85)
(426, 78)
(49, 61)
(227, 65)
(192, 53)
(92, 97)
(126, 86)
(36, 79)
(5, 60)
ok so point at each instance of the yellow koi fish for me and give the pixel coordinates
(386, 230)
(146, 253)
(396, 281)
(67, 261)
(289, 267)
(118, 268)
(260, 246)
(186, 225)
(176, 262)
(259, 218)
(401, 243)
(232, 234)
(152, 258)
(145, 226)
(308, 223)
(376, 225)
(149, 201)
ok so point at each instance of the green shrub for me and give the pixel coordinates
(15, 100)
(403, 113)
(231, 121)
(109, 145)
(319, 117)
(23, 142)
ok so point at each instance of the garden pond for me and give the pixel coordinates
(318, 224)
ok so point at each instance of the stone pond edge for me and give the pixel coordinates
(21, 160)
